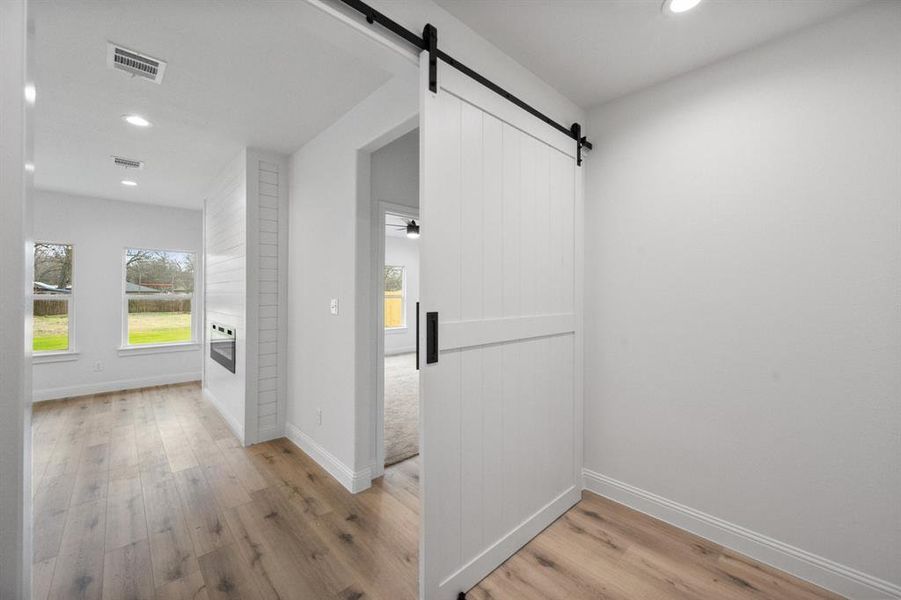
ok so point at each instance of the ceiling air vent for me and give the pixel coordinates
(127, 163)
(135, 63)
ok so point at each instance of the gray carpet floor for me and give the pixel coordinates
(401, 408)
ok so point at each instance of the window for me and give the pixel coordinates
(52, 297)
(159, 289)
(395, 297)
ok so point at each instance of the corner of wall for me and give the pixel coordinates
(816, 569)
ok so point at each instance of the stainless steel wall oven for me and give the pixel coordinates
(222, 345)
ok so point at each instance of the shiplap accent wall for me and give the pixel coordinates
(246, 246)
(225, 290)
(270, 371)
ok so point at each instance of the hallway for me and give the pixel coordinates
(146, 494)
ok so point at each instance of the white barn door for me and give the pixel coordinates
(501, 408)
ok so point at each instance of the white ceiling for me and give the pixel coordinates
(264, 74)
(596, 50)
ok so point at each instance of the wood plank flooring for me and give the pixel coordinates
(146, 494)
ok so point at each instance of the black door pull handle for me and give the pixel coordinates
(431, 337)
(417, 335)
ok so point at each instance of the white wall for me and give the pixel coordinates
(99, 231)
(743, 331)
(403, 252)
(394, 178)
(325, 261)
(395, 171)
(225, 265)
(245, 253)
(332, 359)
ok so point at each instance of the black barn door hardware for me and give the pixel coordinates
(417, 336)
(429, 42)
(431, 337)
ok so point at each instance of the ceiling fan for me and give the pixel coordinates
(411, 226)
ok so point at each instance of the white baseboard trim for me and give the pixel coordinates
(236, 426)
(354, 481)
(816, 569)
(112, 386)
(478, 568)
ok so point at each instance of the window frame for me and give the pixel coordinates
(403, 298)
(125, 346)
(71, 350)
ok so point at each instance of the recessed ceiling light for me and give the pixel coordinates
(30, 93)
(679, 6)
(136, 120)
(29, 166)
(129, 182)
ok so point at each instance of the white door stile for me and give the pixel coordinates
(500, 199)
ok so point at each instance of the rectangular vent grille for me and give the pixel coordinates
(128, 163)
(135, 63)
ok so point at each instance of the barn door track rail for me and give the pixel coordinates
(428, 41)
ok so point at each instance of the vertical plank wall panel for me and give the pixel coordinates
(268, 375)
(506, 252)
(225, 253)
(245, 221)
(443, 245)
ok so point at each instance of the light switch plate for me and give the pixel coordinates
(333, 306)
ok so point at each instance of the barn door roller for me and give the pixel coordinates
(429, 43)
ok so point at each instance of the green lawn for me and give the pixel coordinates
(159, 328)
(51, 333)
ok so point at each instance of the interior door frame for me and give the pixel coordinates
(525, 122)
(16, 272)
(378, 335)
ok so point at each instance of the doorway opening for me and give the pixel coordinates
(399, 302)
(395, 192)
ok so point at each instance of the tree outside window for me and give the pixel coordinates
(159, 292)
(395, 297)
(52, 297)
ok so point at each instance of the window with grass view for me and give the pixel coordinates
(395, 312)
(52, 297)
(159, 289)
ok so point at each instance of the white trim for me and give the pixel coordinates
(54, 357)
(112, 386)
(821, 571)
(16, 273)
(377, 282)
(236, 427)
(354, 481)
(158, 348)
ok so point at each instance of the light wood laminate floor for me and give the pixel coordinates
(147, 494)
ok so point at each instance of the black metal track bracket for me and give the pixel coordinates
(429, 43)
(581, 142)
